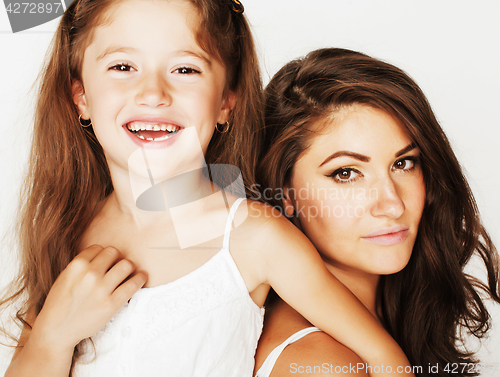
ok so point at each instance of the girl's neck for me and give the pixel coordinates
(144, 201)
(362, 285)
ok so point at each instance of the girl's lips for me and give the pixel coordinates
(388, 236)
(152, 132)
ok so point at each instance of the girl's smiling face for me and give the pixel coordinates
(148, 84)
(359, 192)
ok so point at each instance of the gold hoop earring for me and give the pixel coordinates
(86, 122)
(226, 127)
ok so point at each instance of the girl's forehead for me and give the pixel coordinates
(158, 23)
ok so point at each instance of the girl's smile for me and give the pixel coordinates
(153, 132)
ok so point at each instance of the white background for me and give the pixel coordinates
(450, 47)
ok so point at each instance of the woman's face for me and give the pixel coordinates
(358, 192)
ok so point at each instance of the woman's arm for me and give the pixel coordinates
(82, 300)
(293, 267)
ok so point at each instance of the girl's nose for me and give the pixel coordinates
(388, 202)
(153, 92)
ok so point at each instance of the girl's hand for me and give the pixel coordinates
(85, 296)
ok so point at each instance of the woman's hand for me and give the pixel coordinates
(85, 296)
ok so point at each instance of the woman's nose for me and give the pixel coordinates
(153, 91)
(388, 202)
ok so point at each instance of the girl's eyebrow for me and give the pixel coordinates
(115, 49)
(129, 50)
(194, 55)
(362, 157)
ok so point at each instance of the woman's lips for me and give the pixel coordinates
(388, 236)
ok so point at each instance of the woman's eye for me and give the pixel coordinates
(122, 67)
(186, 70)
(405, 164)
(345, 175)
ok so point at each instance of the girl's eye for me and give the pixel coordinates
(345, 175)
(122, 67)
(186, 70)
(406, 164)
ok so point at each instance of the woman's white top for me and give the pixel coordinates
(202, 324)
(268, 364)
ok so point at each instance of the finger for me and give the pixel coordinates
(104, 260)
(89, 253)
(125, 291)
(119, 273)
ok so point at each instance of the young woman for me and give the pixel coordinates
(355, 157)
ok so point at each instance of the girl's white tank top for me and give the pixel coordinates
(202, 324)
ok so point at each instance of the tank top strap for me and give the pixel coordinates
(268, 365)
(229, 223)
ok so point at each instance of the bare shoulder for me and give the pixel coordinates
(318, 354)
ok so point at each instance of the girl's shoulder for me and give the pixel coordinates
(266, 227)
(263, 243)
(315, 354)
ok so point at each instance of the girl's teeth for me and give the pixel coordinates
(152, 127)
(165, 137)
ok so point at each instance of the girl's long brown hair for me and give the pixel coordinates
(427, 306)
(68, 178)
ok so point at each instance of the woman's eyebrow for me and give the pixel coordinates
(355, 155)
(362, 157)
(406, 149)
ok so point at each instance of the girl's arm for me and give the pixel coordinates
(291, 265)
(82, 300)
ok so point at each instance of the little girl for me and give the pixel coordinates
(136, 96)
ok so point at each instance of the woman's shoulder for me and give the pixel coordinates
(315, 354)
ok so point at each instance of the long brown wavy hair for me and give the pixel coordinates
(431, 304)
(68, 178)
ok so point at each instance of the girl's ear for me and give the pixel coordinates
(79, 99)
(228, 104)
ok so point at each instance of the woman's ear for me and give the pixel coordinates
(79, 99)
(288, 202)
(289, 207)
(228, 104)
